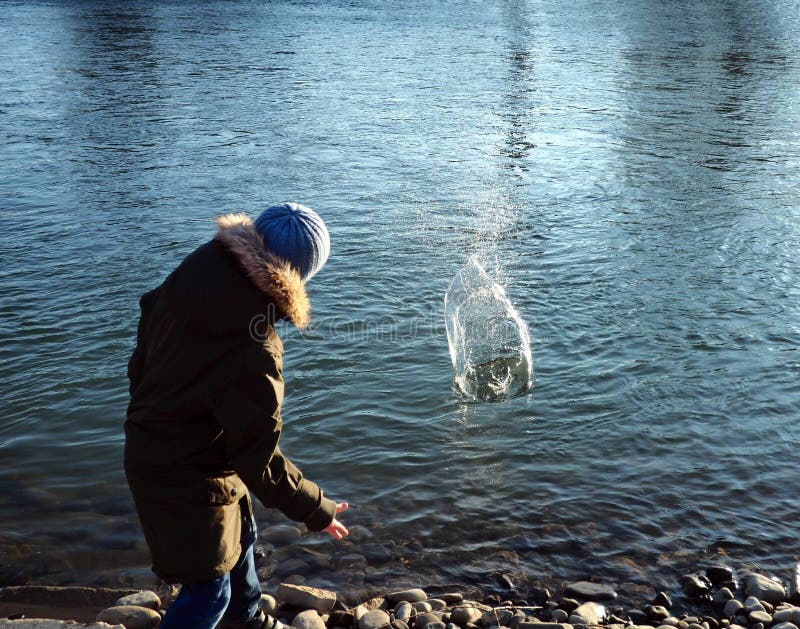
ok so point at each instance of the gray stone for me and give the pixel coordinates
(465, 614)
(591, 591)
(752, 604)
(422, 606)
(452, 598)
(517, 619)
(280, 534)
(403, 610)
(374, 619)
(399, 624)
(268, 604)
(665, 627)
(656, 613)
(308, 619)
(145, 598)
(559, 616)
(785, 625)
(732, 607)
(722, 596)
(132, 616)
(451, 625)
(783, 615)
(412, 596)
(694, 585)
(428, 618)
(719, 574)
(436, 625)
(545, 625)
(303, 597)
(764, 589)
(587, 614)
(436, 603)
(368, 606)
(762, 617)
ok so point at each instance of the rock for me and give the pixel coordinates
(544, 625)
(637, 616)
(559, 616)
(722, 596)
(591, 591)
(145, 598)
(712, 622)
(719, 574)
(465, 614)
(422, 607)
(757, 625)
(452, 598)
(358, 533)
(268, 604)
(662, 599)
(436, 625)
(759, 616)
(752, 604)
(784, 625)
(764, 589)
(516, 620)
(132, 616)
(587, 614)
(539, 595)
(341, 618)
(569, 605)
(403, 610)
(308, 619)
(423, 620)
(399, 624)
(414, 595)
(784, 615)
(436, 603)
(280, 534)
(731, 608)
(374, 619)
(303, 597)
(671, 621)
(656, 613)
(694, 585)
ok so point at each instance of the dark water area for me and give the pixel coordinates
(628, 170)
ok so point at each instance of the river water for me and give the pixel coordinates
(627, 169)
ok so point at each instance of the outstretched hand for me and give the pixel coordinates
(336, 529)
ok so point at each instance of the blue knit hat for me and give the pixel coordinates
(296, 234)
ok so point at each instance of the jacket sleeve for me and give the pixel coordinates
(248, 410)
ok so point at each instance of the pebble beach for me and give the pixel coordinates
(715, 597)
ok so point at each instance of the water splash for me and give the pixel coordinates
(489, 341)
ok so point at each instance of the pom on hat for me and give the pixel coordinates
(297, 234)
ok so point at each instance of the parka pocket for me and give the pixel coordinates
(225, 490)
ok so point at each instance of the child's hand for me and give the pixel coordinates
(336, 529)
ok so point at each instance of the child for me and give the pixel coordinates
(204, 419)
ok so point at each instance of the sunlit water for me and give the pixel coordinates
(628, 170)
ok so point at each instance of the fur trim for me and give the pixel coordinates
(273, 275)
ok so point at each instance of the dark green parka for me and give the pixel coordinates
(204, 417)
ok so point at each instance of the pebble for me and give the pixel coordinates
(132, 616)
(422, 606)
(784, 615)
(340, 618)
(414, 595)
(544, 625)
(784, 625)
(33, 623)
(539, 595)
(517, 619)
(374, 619)
(587, 614)
(591, 591)
(465, 614)
(732, 607)
(145, 598)
(759, 616)
(396, 624)
(568, 604)
(303, 597)
(452, 598)
(308, 619)
(423, 620)
(637, 616)
(719, 574)
(436, 625)
(671, 621)
(663, 599)
(722, 596)
(403, 610)
(752, 604)
(280, 534)
(436, 603)
(559, 616)
(694, 585)
(657, 613)
(764, 589)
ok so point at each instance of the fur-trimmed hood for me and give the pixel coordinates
(271, 274)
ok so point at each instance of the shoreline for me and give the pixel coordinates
(715, 597)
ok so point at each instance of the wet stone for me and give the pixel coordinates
(722, 596)
(569, 605)
(656, 613)
(145, 598)
(759, 616)
(132, 616)
(663, 599)
(694, 585)
(719, 574)
(637, 616)
(374, 619)
(764, 589)
(732, 607)
(784, 625)
(308, 619)
(591, 591)
(539, 595)
(280, 534)
(559, 616)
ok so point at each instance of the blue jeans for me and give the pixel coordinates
(234, 597)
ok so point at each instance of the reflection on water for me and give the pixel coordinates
(628, 170)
